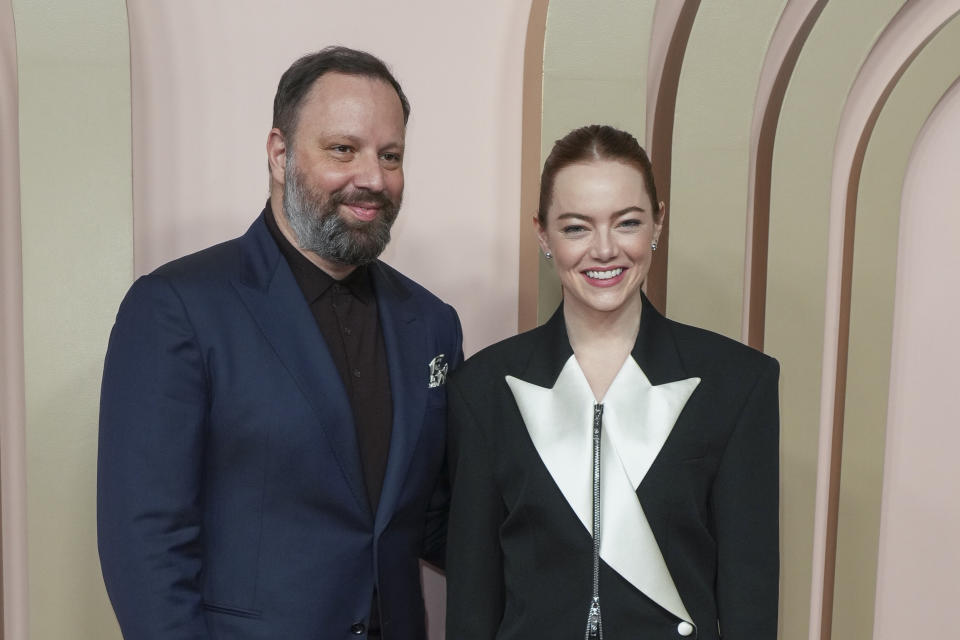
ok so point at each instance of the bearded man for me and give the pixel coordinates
(273, 409)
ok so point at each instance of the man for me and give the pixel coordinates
(272, 424)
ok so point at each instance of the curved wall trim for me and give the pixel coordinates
(896, 47)
(796, 22)
(13, 491)
(528, 293)
(917, 564)
(672, 24)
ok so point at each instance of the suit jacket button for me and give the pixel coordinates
(685, 628)
(357, 628)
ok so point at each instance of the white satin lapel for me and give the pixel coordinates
(637, 419)
(559, 421)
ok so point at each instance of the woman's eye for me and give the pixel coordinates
(573, 228)
(632, 223)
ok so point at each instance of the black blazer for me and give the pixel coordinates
(231, 500)
(519, 560)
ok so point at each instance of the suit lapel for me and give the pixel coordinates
(557, 412)
(550, 352)
(271, 294)
(655, 349)
(405, 340)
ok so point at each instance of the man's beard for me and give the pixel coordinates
(318, 226)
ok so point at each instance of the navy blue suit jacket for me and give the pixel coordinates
(231, 501)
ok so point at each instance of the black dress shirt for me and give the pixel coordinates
(346, 313)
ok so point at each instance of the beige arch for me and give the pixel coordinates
(796, 22)
(915, 578)
(903, 38)
(527, 292)
(672, 24)
(13, 502)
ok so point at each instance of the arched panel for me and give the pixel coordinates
(74, 80)
(672, 23)
(13, 491)
(918, 561)
(795, 24)
(594, 71)
(800, 186)
(708, 198)
(904, 36)
(530, 164)
(202, 104)
(873, 280)
(204, 76)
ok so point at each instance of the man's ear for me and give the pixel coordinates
(277, 155)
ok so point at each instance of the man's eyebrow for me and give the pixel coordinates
(331, 137)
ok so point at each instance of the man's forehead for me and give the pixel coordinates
(334, 85)
(364, 109)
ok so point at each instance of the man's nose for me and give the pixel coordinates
(369, 173)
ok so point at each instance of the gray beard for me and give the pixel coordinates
(319, 227)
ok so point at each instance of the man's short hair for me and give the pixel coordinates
(297, 80)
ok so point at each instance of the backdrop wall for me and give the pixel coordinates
(133, 132)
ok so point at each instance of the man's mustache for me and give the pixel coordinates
(361, 197)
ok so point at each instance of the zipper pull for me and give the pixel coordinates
(594, 624)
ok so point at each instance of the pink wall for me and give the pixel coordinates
(204, 75)
(920, 521)
(203, 78)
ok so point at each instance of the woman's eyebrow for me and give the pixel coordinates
(628, 210)
(615, 214)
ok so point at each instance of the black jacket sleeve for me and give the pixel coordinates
(475, 589)
(744, 508)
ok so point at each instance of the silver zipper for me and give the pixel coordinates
(594, 622)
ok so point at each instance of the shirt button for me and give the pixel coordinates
(356, 373)
(357, 628)
(685, 628)
(348, 331)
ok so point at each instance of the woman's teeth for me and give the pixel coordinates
(605, 275)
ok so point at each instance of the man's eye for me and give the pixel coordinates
(394, 158)
(342, 148)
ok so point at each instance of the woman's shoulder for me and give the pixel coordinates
(498, 359)
(704, 349)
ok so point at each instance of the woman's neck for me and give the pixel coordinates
(602, 340)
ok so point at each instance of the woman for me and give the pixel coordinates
(659, 437)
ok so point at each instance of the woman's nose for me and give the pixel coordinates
(603, 248)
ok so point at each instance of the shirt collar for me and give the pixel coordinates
(314, 281)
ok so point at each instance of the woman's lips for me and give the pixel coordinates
(604, 277)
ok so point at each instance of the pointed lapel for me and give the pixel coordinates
(405, 340)
(271, 294)
(550, 352)
(556, 404)
(655, 350)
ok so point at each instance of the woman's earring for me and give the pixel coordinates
(653, 245)
(548, 255)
